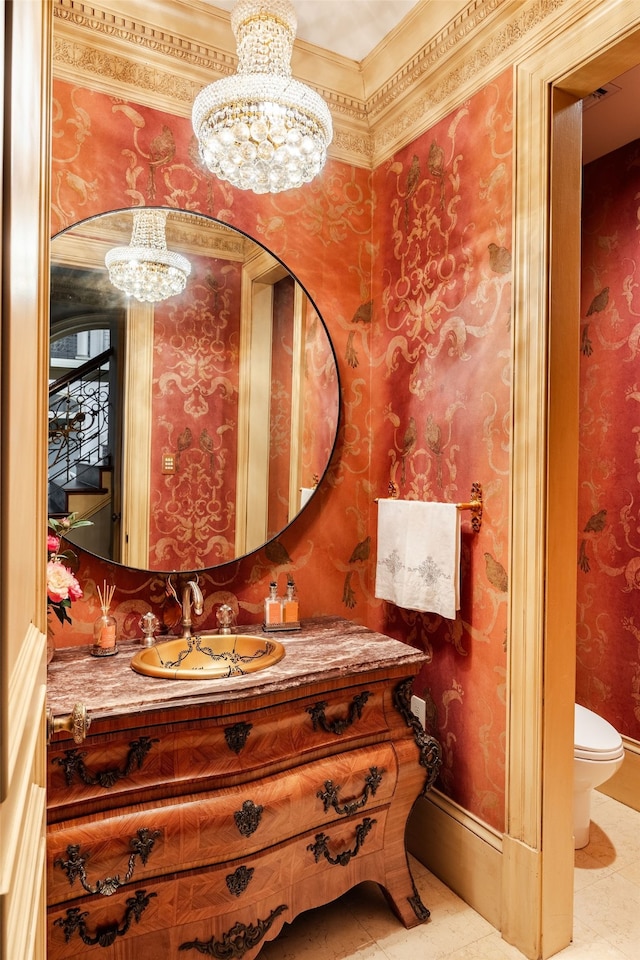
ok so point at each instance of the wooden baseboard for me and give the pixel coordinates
(460, 850)
(625, 784)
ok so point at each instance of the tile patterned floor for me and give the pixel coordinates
(360, 926)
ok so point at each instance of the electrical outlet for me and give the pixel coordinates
(419, 708)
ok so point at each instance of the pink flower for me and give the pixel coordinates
(53, 543)
(75, 590)
(61, 583)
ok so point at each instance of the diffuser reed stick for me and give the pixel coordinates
(105, 596)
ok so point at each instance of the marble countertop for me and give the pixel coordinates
(325, 648)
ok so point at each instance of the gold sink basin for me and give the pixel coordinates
(207, 656)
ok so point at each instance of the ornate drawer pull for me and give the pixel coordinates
(105, 936)
(248, 819)
(329, 795)
(236, 941)
(141, 845)
(73, 764)
(237, 735)
(340, 725)
(238, 881)
(321, 847)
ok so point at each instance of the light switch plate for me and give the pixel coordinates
(419, 708)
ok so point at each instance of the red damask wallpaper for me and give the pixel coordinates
(608, 630)
(194, 418)
(441, 359)
(320, 410)
(410, 268)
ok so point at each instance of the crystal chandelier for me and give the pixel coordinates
(261, 129)
(145, 269)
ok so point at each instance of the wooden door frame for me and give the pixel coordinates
(538, 860)
(25, 29)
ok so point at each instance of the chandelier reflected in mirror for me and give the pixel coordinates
(261, 129)
(145, 269)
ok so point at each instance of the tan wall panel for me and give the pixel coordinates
(625, 784)
(459, 850)
(24, 355)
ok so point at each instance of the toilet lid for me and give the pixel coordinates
(594, 737)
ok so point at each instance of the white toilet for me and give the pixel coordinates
(598, 753)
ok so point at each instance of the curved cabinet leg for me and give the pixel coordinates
(398, 884)
(404, 899)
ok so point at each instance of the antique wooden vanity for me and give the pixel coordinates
(198, 817)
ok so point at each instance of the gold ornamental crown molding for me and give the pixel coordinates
(153, 51)
(488, 37)
(118, 48)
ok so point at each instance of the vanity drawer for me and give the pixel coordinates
(260, 893)
(95, 854)
(166, 760)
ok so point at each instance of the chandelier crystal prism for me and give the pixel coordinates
(261, 129)
(145, 269)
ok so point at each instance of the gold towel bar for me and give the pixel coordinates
(475, 504)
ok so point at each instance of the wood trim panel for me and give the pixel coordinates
(538, 862)
(22, 688)
(300, 307)
(25, 903)
(259, 274)
(460, 850)
(26, 701)
(625, 784)
(25, 31)
(137, 427)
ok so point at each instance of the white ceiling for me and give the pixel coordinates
(349, 27)
(611, 117)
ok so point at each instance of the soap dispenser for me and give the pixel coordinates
(272, 607)
(290, 605)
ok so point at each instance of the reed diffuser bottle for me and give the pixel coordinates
(105, 626)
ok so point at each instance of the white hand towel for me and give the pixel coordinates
(418, 564)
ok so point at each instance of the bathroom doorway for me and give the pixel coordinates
(538, 854)
(605, 55)
(607, 74)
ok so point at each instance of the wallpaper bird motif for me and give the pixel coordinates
(440, 360)
(410, 268)
(194, 396)
(608, 623)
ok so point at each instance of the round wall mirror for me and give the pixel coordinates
(193, 430)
